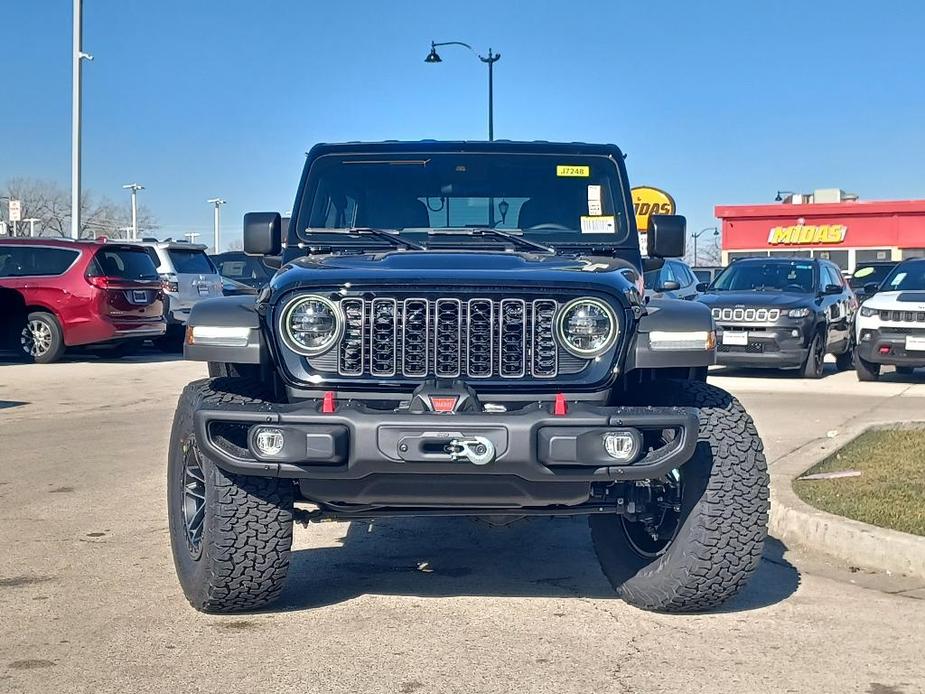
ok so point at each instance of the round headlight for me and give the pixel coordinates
(311, 325)
(587, 327)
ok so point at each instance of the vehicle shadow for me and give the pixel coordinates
(452, 557)
(76, 356)
(779, 374)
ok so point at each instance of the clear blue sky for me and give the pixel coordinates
(717, 102)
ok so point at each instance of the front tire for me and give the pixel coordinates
(866, 370)
(845, 360)
(814, 365)
(722, 523)
(230, 534)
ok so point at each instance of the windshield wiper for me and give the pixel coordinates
(391, 237)
(497, 233)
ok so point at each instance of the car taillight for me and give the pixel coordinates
(170, 284)
(100, 282)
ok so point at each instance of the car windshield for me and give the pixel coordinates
(552, 199)
(795, 276)
(869, 274)
(906, 277)
(191, 261)
(124, 263)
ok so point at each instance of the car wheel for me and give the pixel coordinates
(703, 553)
(230, 534)
(815, 358)
(866, 371)
(845, 360)
(41, 339)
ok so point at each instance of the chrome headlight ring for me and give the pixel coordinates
(286, 331)
(565, 313)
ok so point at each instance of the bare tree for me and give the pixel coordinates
(51, 205)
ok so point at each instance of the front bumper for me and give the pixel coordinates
(357, 455)
(889, 345)
(781, 347)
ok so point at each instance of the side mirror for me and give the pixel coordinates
(871, 288)
(702, 286)
(262, 233)
(667, 233)
(669, 286)
(831, 289)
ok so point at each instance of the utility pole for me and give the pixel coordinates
(32, 221)
(217, 222)
(79, 55)
(134, 187)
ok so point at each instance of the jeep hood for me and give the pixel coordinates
(450, 267)
(782, 300)
(900, 300)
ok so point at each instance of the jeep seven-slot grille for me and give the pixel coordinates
(449, 338)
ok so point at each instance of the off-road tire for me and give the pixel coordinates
(55, 334)
(814, 366)
(866, 370)
(723, 518)
(243, 554)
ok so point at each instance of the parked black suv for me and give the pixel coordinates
(454, 332)
(783, 313)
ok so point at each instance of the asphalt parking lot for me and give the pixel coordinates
(90, 602)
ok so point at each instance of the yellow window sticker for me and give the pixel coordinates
(864, 272)
(603, 224)
(573, 171)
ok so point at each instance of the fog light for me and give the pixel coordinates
(622, 446)
(268, 441)
(794, 333)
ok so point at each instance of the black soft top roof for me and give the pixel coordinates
(461, 146)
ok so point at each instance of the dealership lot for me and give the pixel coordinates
(91, 603)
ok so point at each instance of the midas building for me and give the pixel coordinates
(828, 224)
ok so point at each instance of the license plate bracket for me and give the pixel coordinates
(915, 343)
(736, 337)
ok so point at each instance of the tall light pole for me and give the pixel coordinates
(698, 235)
(191, 236)
(492, 58)
(134, 187)
(79, 56)
(217, 221)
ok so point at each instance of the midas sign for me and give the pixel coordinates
(807, 233)
(648, 201)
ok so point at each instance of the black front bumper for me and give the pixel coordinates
(888, 346)
(774, 347)
(358, 455)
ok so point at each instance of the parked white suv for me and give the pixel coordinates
(188, 276)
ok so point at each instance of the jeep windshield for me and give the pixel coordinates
(906, 277)
(796, 276)
(548, 199)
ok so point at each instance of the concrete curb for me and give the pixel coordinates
(866, 546)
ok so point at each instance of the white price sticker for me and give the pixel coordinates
(598, 225)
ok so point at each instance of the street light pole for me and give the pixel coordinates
(134, 187)
(698, 235)
(217, 221)
(492, 58)
(191, 236)
(79, 55)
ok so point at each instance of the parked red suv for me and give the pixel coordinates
(57, 293)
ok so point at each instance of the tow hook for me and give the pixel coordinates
(478, 450)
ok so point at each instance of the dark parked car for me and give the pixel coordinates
(674, 280)
(782, 312)
(868, 276)
(240, 267)
(453, 332)
(56, 294)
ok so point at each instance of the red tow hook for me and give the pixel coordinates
(327, 403)
(560, 409)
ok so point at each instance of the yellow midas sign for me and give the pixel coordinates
(648, 201)
(807, 233)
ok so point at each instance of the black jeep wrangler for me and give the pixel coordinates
(457, 329)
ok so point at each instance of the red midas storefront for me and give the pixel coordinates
(847, 233)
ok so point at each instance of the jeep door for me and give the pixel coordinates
(837, 308)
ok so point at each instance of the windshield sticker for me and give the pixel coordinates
(594, 201)
(598, 225)
(864, 272)
(573, 171)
